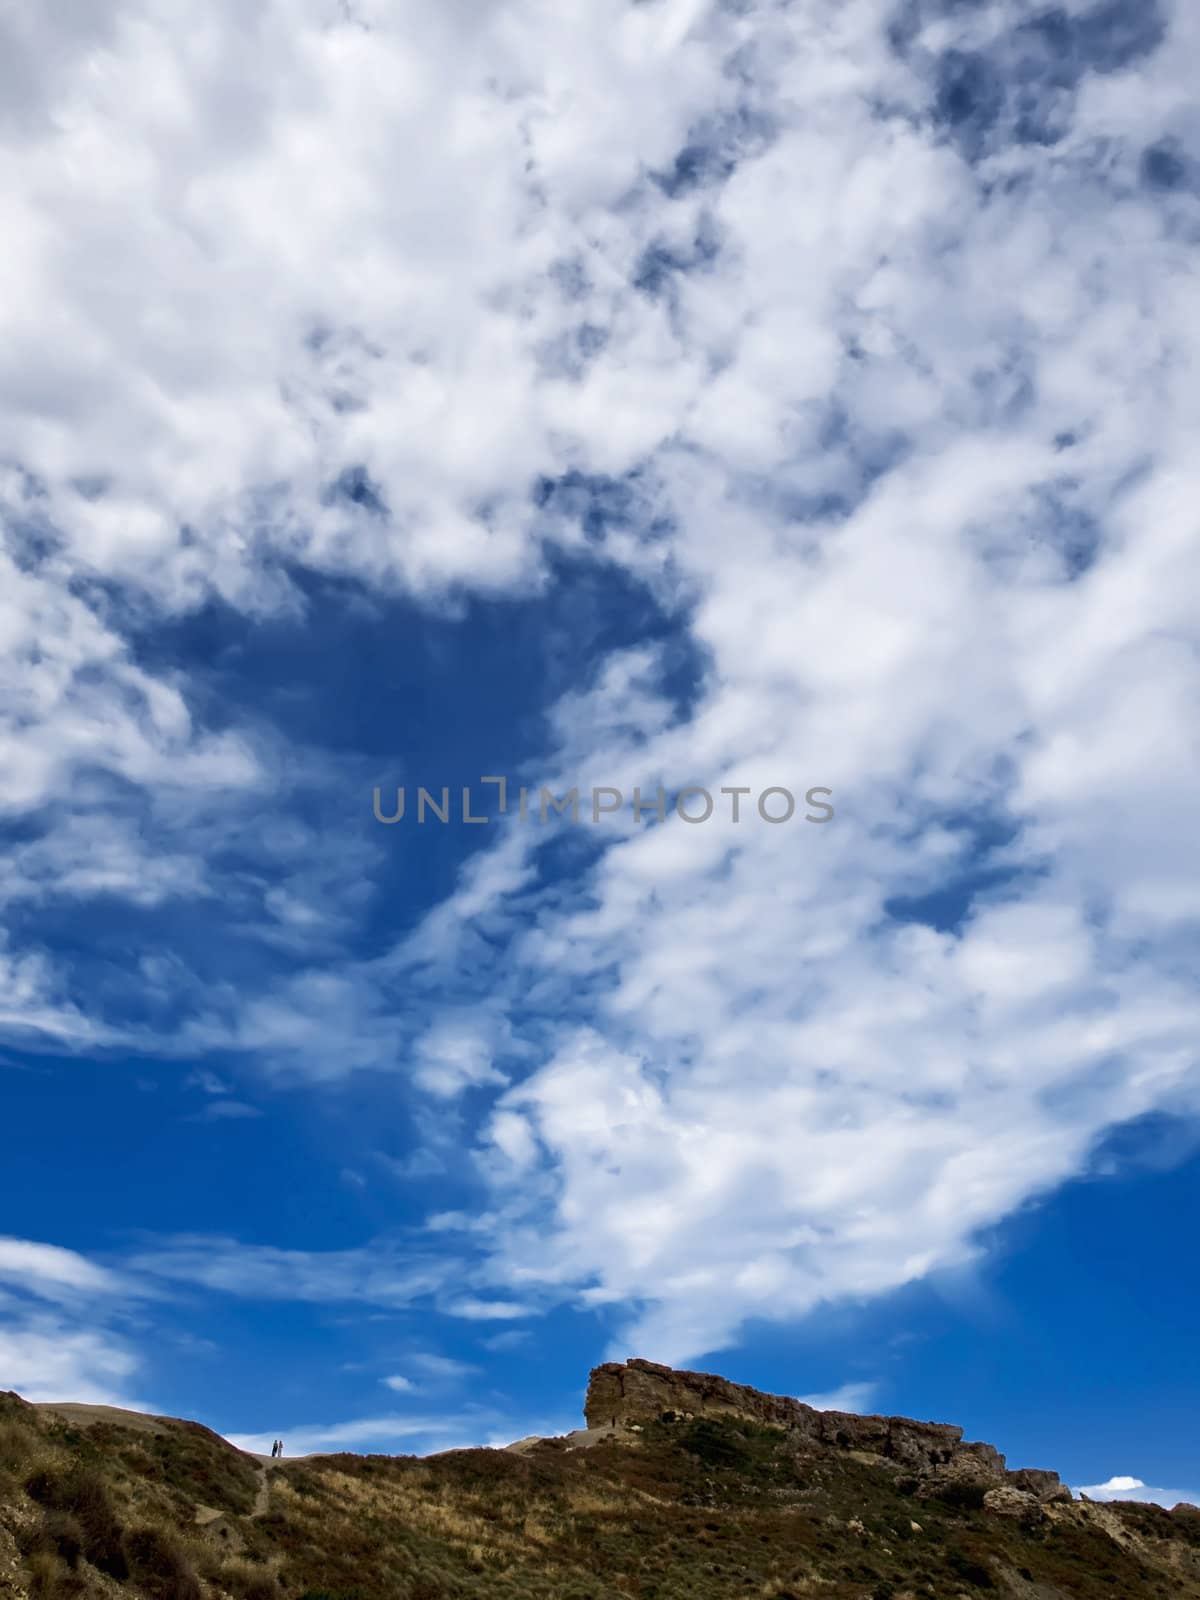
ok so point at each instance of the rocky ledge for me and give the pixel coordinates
(628, 1396)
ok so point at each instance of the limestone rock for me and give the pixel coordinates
(1044, 1486)
(622, 1395)
(1007, 1501)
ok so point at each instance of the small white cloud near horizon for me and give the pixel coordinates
(54, 1344)
(425, 1435)
(1127, 1488)
(400, 1385)
(316, 1438)
(853, 1397)
(48, 1360)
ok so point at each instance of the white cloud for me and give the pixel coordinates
(381, 1274)
(444, 1369)
(57, 1335)
(403, 338)
(455, 1055)
(770, 1093)
(400, 1385)
(45, 1357)
(468, 1428)
(853, 1397)
(476, 1310)
(883, 421)
(50, 1272)
(510, 1339)
(1126, 1488)
(390, 1434)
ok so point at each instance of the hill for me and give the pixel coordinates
(682, 1487)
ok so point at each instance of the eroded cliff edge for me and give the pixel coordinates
(635, 1392)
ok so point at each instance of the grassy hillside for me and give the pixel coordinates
(682, 1511)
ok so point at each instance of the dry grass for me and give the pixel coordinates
(249, 1580)
(691, 1513)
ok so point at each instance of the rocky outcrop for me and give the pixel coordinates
(636, 1392)
(1045, 1487)
(1005, 1501)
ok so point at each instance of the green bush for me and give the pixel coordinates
(714, 1445)
(969, 1571)
(962, 1496)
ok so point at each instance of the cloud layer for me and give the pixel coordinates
(864, 341)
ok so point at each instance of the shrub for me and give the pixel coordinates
(159, 1564)
(81, 1493)
(63, 1535)
(44, 1486)
(247, 1580)
(45, 1576)
(713, 1444)
(16, 1447)
(200, 1466)
(969, 1571)
(962, 1496)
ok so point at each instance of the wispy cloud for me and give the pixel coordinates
(46, 1356)
(51, 1272)
(383, 1274)
(60, 1326)
(226, 1111)
(921, 519)
(388, 1434)
(446, 1369)
(510, 1339)
(475, 1310)
(854, 1397)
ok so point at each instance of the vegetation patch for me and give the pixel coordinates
(695, 1509)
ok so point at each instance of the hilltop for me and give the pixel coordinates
(683, 1486)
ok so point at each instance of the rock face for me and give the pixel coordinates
(1005, 1501)
(642, 1391)
(1044, 1486)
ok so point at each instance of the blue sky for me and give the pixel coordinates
(706, 396)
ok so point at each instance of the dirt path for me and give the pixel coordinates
(262, 1499)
